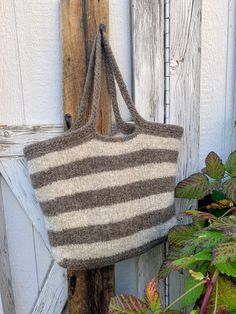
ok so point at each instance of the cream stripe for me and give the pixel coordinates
(109, 214)
(104, 180)
(110, 248)
(95, 148)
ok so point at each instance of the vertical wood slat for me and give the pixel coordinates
(148, 80)
(6, 291)
(79, 23)
(185, 61)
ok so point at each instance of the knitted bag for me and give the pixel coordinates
(104, 197)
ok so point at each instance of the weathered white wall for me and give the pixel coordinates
(30, 93)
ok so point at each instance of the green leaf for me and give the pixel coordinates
(208, 239)
(214, 166)
(225, 252)
(127, 304)
(217, 196)
(226, 296)
(229, 188)
(230, 165)
(194, 187)
(191, 297)
(152, 297)
(178, 235)
(197, 214)
(185, 262)
(197, 275)
(228, 269)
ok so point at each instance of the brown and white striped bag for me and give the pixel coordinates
(106, 198)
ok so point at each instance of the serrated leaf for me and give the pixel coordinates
(185, 262)
(225, 252)
(230, 165)
(214, 166)
(194, 187)
(226, 296)
(229, 187)
(178, 235)
(228, 269)
(152, 297)
(127, 304)
(197, 214)
(191, 297)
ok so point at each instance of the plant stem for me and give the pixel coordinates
(216, 300)
(184, 294)
(208, 292)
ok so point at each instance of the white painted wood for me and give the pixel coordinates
(148, 57)
(43, 258)
(120, 39)
(14, 139)
(185, 61)
(11, 105)
(1, 306)
(21, 252)
(16, 174)
(148, 80)
(217, 110)
(54, 293)
(6, 292)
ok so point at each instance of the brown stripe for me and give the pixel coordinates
(111, 231)
(77, 137)
(72, 264)
(108, 196)
(104, 163)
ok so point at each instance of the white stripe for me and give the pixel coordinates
(107, 179)
(95, 148)
(109, 214)
(113, 247)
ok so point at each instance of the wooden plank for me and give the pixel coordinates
(39, 57)
(16, 174)
(43, 259)
(121, 43)
(148, 68)
(11, 106)
(89, 291)
(14, 138)
(79, 23)
(6, 291)
(21, 252)
(217, 110)
(148, 76)
(53, 295)
(185, 57)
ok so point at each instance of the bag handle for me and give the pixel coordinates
(101, 46)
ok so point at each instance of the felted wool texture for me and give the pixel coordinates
(106, 198)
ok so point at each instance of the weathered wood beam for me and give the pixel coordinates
(89, 291)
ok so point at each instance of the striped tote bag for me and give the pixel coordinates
(105, 197)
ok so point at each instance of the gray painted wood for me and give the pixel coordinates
(6, 291)
(185, 61)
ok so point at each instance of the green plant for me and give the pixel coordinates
(206, 247)
(208, 244)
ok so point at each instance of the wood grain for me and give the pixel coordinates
(79, 23)
(148, 80)
(185, 62)
(6, 290)
(89, 291)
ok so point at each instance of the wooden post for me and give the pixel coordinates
(89, 291)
